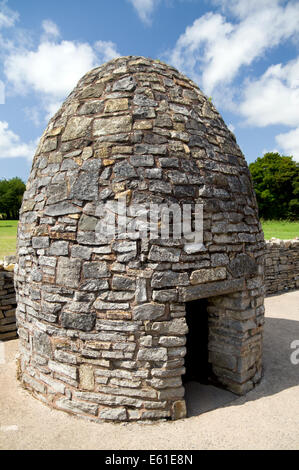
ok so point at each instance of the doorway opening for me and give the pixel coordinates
(197, 364)
(203, 392)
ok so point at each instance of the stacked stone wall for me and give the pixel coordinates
(281, 265)
(102, 321)
(8, 329)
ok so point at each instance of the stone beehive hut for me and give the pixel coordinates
(103, 322)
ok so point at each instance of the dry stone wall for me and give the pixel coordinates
(8, 329)
(102, 322)
(281, 265)
(281, 274)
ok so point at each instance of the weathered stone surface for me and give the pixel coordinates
(119, 104)
(40, 242)
(62, 208)
(169, 279)
(86, 377)
(86, 186)
(123, 283)
(102, 319)
(76, 127)
(206, 290)
(152, 354)
(148, 311)
(113, 414)
(68, 272)
(95, 270)
(243, 265)
(177, 327)
(76, 407)
(124, 84)
(113, 125)
(206, 275)
(76, 321)
(159, 253)
(59, 248)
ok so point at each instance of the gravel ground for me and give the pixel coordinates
(267, 418)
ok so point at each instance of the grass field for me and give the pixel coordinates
(8, 236)
(280, 229)
(272, 228)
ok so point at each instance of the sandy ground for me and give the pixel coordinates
(267, 418)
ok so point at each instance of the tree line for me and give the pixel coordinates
(11, 194)
(275, 179)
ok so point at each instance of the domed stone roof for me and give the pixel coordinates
(101, 313)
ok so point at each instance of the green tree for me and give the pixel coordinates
(11, 193)
(276, 183)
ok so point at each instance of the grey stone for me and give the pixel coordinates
(141, 290)
(76, 127)
(76, 321)
(125, 84)
(113, 414)
(243, 265)
(169, 279)
(113, 125)
(168, 295)
(144, 113)
(123, 283)
(176, 327)
(124, 170)
(206, 290)
(64, 369)
(159, 253)
(85, 187)
(62, 208)
(169, 162)
(42, 344)
(151, 311)
(82, 252)
(87, 222)
(142, 160)
(201, 276)
(152, 354)
(59, 248)
(68, 272)
(76, 406)
(40, 242)
(95, 270)
(150, 149)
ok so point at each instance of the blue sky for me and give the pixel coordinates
(244, 54)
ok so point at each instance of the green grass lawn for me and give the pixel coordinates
(272, 228)
(8, 237)
(280, 229)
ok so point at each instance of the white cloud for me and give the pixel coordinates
(8, 17)
(213, 49)
(274, 97)
(144, 9)
(54, 67)
(289, 142)
(50, 29)
(11, 145)
(106, 49)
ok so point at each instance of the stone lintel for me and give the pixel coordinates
(211, 289)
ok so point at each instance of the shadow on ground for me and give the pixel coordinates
(279, 372)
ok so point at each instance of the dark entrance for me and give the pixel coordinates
(197, 365)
